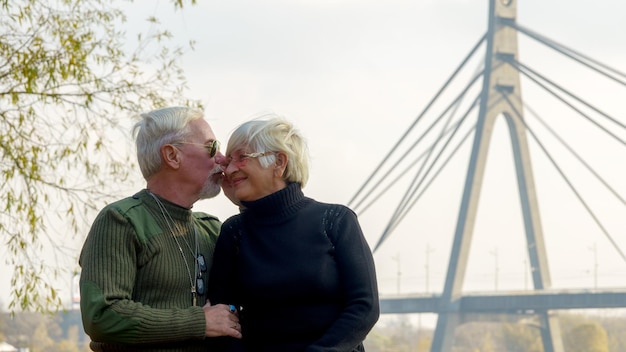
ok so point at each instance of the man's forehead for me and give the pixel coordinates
(202, 129)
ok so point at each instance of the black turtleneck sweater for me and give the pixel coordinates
(300, 270)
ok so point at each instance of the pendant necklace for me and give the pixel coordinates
(168, 218)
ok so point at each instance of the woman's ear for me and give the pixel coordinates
(280, 164)
(170, 156)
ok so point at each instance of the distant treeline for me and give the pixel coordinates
(63, 332)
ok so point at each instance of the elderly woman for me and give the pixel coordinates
(299, 271)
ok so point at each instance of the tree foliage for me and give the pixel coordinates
(36, 331)
(68, 73)
(589, 337)
(399, 335)
(520, 337)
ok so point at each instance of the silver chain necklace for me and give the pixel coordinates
(169, 221)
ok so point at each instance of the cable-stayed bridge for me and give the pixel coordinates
(493, 92)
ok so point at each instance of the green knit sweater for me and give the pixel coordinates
(135, 285)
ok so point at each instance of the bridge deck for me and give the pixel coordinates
(508, 302)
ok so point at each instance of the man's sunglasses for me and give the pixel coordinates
(212, 147)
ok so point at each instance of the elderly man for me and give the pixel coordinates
(146, 259)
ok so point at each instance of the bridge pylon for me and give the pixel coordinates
(501, 96)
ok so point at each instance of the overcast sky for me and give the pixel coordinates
(353, 76)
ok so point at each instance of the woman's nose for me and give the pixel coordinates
(228, 166)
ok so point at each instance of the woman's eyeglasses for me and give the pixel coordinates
(212, 147)
(242, 159)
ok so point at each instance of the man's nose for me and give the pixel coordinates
(220, 159)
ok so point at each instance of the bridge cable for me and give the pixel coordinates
(450, 106)
(567, 181)
(574, 153)
(474, 49)
(525, 73)
(570, 94)
(432, 179)
(393, 224)
(571, 53)
(455, 104)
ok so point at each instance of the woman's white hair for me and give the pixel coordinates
(272, 133)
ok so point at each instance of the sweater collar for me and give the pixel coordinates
(177, 212)
(278, 205)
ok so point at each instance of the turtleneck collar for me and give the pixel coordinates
(278, 205)
(175, 211)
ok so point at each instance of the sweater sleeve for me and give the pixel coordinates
(356, 268)
(109, 261)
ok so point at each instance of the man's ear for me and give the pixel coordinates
(170, 156)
